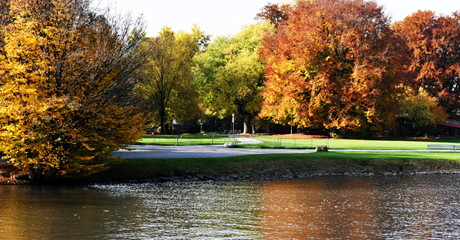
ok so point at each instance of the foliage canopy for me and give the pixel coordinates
(166, 78)
(333, 64)
(230, 75)
(66, 87)
(434, 55)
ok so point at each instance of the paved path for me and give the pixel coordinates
(202, 151)
(210, 151)
(155, 151)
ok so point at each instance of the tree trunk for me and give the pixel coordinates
(35, 175)
(163, 126)
(39, 174)
(247, 123)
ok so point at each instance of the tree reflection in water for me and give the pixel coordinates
(418, 207)
(411, 207)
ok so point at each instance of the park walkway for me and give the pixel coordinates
(200, 151)
(213, 151)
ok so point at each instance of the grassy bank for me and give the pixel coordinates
(279, 165)
(291, 142)
(274, 142)
(184, 140)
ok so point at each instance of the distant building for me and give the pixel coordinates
(450, 128)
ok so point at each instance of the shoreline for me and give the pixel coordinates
(267, 167)
(283, 177)
(276, 167)
(253, 176)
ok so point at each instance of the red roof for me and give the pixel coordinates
(449, 125)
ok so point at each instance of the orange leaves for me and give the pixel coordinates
(330, 65)
(434, 55)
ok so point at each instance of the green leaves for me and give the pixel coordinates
(167, 81)
(419, 113)
(230, 75)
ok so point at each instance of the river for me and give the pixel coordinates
(402, 207)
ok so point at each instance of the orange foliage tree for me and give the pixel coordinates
(332, 64)
(274, 13)
(434, 44)
(65, 87)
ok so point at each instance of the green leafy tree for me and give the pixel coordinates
(167, 80)
(230, 75)
(66, 86)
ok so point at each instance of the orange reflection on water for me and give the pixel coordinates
(17, 219)
(34, 212)
(313, 209)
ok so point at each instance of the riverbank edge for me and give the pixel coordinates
(263, 177)
(273, 167)
(265, 168)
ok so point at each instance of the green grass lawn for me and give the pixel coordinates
(272, 142)
(322, 162)
(183, 140)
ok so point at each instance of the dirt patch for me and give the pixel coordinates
(9, 173)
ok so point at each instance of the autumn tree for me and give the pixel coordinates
(230, 75)
(66, 87)
(274, 13)
(167, 80)
(333, 64)
(434, 44)
(418, 114)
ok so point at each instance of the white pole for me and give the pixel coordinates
(233, 123)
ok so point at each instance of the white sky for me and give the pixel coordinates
(226, 17)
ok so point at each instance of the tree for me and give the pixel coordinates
(333, 64)
(230, 76)
(434, 44)
(419, 114)
(66, 85)
(274, 13)
(167, 81)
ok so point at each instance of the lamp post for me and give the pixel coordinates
(233, 123)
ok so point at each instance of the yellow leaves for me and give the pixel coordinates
(285, 67)
(63, 89)
(87, 146)
(86, 158)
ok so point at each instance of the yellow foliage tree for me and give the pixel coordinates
(66, 85)
(419, 113)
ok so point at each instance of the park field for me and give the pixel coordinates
(352, 144)
(278, 166)
(286, 141)
(184, 140)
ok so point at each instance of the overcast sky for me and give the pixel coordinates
(226, 17)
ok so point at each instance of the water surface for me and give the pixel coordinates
(406, 207)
